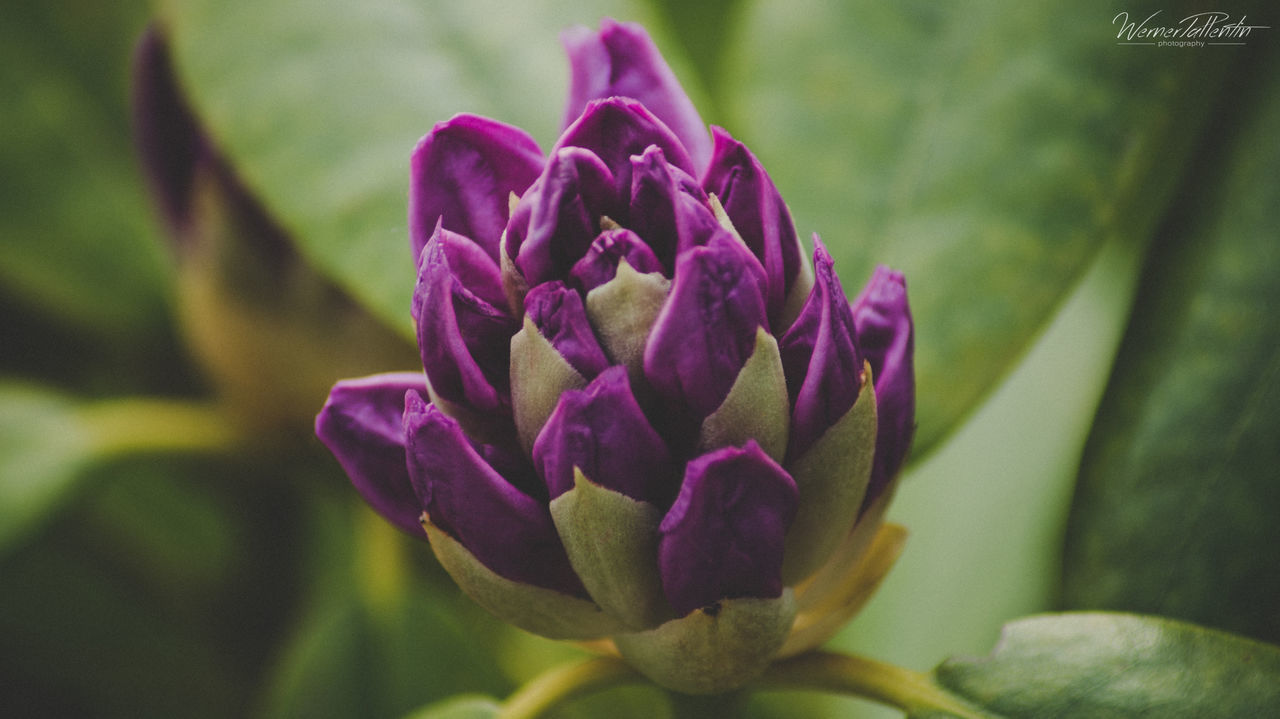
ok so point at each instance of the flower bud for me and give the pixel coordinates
(652, 420)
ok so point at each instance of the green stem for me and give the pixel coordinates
(865, 678)
(564, 683)
(122, 426)
(815, 671)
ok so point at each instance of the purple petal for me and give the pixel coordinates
(722, 538)
(758, 213)
(617, 128)
(560, 316)
(668, 208)
(602, 431)
(471, 266)
(361, 425)
(707, 329)
(882, 321)
(462, 174)
(820, 358)
(464, 339)
(508, 531)
(622, 60)
(600, 264)
(558, 218)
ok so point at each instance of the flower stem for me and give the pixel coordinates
(138, 424)
(566, 682)
(865, 678)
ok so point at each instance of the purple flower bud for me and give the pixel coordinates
(617, 128)
(882, 322)
(758, 213)
(507, 530)
(622, 60)
(600, 264)
(722, 538)
(820, 357)
(560, 316)
(462, 337)
(646, 402)
(556, 221)
(462, 173)
(668, 208)
(707, 329)
(361, 424)
(602, 432)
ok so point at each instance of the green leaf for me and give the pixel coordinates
(987, 149)
(374, 639)
(1114, 665)
(1178, 499)
(319, 106)
(48, 441)
(463, 707)
(43, 449)
(79, 242)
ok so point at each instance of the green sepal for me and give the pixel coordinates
(801, 286)
(612, 542)
(831, 477)
(757, 406)
(539, 375)
(708, 652)
(534, 609)
(623, 310)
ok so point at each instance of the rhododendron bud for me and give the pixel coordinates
(645, 415)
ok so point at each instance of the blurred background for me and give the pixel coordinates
(200, 233)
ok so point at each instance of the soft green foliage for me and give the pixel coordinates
(1109, 666)
(1010, 157)
(991, 147)
(1177, 508)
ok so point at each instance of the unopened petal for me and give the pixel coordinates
(707, 328)
(820, 358)
(723, 536)
(464, 340)
(758, 213)
(616, 128)
(601, 431)
(462, 173)
(886, 338)
(505, 529)
(600, 264)
(621, 59)
(361, 425)
(668, 209)
(560, 315)
(556, 221)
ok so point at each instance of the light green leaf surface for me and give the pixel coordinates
(1109, 666)
(1177, 509)
(48, 440)
(987, 149)
(319, 105)
(77, 240)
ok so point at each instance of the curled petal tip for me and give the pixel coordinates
(361, 425)
(622, 60)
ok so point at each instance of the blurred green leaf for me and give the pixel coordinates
(1103, 666)
(43, 449)
(374, 639)
(112, 612)
(319, 107)
(78, 239)
(48, 440)
(988, 149)
(1176, 512)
